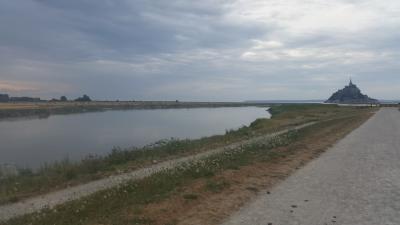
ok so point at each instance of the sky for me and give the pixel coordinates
(204, 50)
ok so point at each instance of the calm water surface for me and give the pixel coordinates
(32, 142)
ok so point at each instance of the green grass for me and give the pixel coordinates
(65, 173)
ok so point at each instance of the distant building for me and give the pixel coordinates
(24, 99)
(351, 94)
(84, 98)
(4, 98)
(63, 99)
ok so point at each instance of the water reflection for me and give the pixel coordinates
(32, 142)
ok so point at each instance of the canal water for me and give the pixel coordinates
(33, 142)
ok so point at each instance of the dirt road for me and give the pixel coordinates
(356, 182)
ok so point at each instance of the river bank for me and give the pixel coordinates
(45, 109)
(225, 180)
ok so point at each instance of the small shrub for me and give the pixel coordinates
(141, 220)
(216, 185)
(13, 199)
(190, 196)
(70, 174)
(253, 189)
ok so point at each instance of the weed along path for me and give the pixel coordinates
(356, 182)
(56, 198)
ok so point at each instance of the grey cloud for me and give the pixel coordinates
(194, 49)
(126, 28)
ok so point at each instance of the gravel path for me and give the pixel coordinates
(55, 198)
(356, 182)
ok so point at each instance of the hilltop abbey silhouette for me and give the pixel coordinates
(351, 94)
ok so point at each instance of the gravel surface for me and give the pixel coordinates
(55, 198)
(356, 182)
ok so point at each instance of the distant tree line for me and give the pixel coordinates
(84, 98)
(7, 98)
(4, 98)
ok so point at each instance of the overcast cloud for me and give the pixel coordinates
(199, 50)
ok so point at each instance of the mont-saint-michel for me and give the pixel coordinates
(351, 94)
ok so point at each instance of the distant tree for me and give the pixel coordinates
(84, 98)
(63, 99)
(4, 98)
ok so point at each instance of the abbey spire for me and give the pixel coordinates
(351, 94)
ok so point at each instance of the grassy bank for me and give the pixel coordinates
(63, 174)
(105, 207)
(195, 183)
